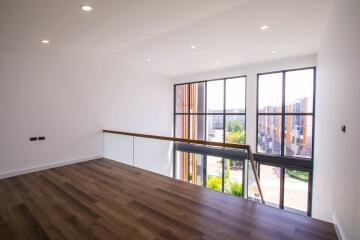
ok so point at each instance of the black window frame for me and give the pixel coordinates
(282, 161)
(224, 114)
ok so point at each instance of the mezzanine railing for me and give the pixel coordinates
(133, 141)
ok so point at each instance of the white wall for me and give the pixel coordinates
(337, 166)
(52, 96)
(138, 101)
(70, 99)
(251, 72)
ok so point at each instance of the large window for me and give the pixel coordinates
(211, 110)
(285, 128)
(285, 113)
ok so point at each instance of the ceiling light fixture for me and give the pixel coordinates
(217, 62)
(273, 51)
(264, 27)
(148, 59)
(45, 41)
(192, 46)
(86, 8)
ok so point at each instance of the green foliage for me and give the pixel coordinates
(233, 188)
(214, 182)
(235, 137)
(303, 176)
(236, 133)
(234, 126)
(227, 170)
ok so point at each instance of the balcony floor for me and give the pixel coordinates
(103, 199)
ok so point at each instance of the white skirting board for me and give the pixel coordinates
(338, 228)
(46, 166)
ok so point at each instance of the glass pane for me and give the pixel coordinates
(296, 191)
(197, 97)
(181, 126)
(197, 169)
(215, 128)
(298, 136)
(182, 166)
(235, 129)
(269, 134)
(253, 189)
(233, 177)
(154, 151)
(215, 96)
(235, 95)
(299, 90)
(270, 184)
(182, 98)
(214, 173)
(270, 93)
(197, 127)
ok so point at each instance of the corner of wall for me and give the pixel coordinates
(338, 228)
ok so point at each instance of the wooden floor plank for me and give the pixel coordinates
(103, 199)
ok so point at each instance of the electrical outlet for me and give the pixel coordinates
(343, 128)
(33, 139)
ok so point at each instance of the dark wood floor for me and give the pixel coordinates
(103, 199)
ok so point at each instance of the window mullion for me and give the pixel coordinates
(282, 187)
(223, 160)
(188, 111)
(283, 116)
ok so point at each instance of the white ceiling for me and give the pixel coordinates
(163, 30)
(110, 27)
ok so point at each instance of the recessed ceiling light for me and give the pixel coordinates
(45, 41)
(264, 27)
(192, 46)
(273, 51)
(217, 62)
(86, 8)
(148, 59)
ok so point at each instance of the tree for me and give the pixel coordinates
(236, 133)
(234, 188)
(214, 182)
(235, 137)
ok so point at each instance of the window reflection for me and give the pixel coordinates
(235, 129)
(181, 98)
(270, 184)
(215, 128)
(233, 177)
(215, 96)
(214, 173)
(298, 136)
(296, 191)
(299, 91)
(197, 97)
(269, 134)
(235, 102)
(270, 93)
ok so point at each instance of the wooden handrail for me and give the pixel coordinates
(218, 144)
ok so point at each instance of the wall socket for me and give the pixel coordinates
(32, 139)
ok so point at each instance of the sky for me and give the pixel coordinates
(235, 94)
(299, 84)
